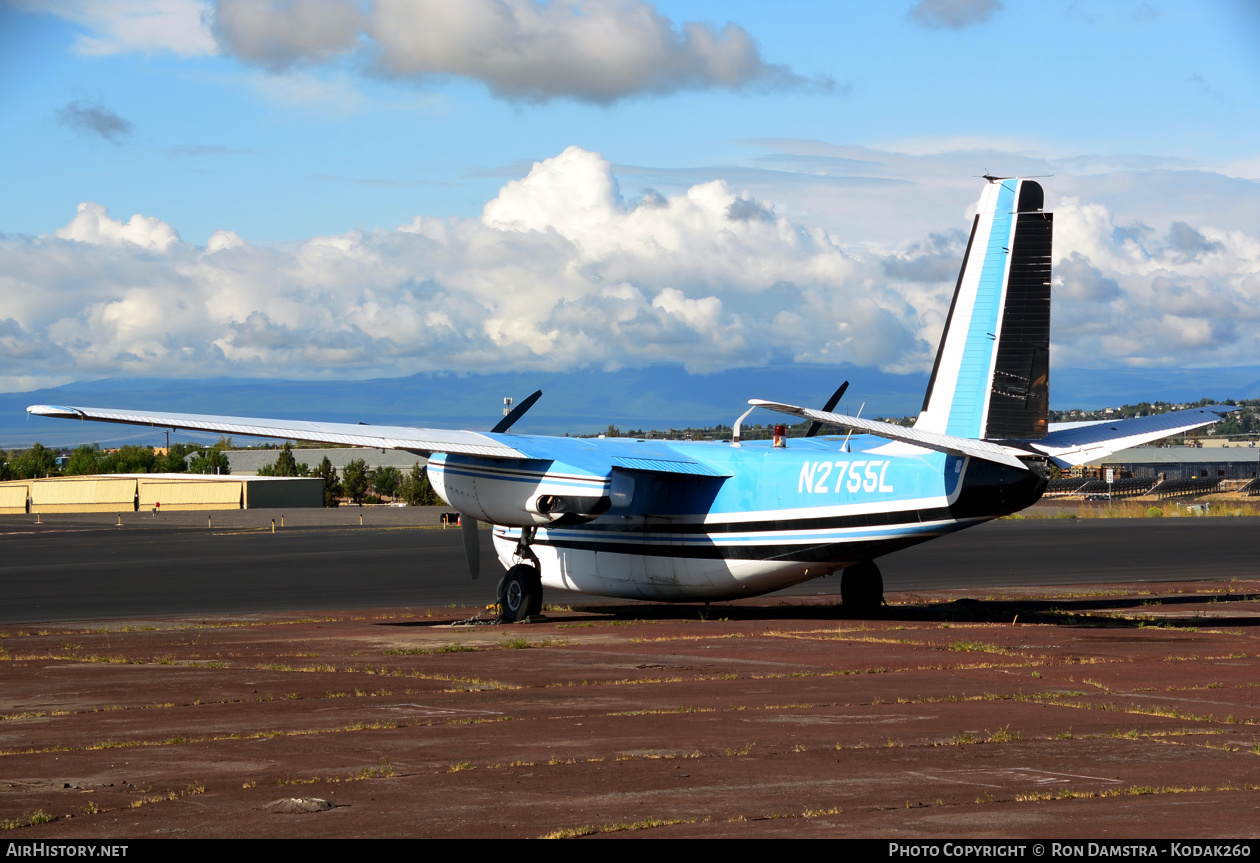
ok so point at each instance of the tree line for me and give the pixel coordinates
(358, 482)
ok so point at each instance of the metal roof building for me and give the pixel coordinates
(1184, 462)
(247, 462)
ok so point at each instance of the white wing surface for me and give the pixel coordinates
(995, 452)
(1088, 442)
(417, 440)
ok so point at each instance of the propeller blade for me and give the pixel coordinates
(815, 426)
(517, 412)
(472, 545)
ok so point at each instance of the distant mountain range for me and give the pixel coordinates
(658, 397)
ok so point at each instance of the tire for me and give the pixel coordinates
(520, 594)
(862, 588)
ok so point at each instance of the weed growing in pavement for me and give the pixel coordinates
(589, 829)
(382, 770)
(1003, 735)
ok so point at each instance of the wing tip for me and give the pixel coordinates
(54, 411)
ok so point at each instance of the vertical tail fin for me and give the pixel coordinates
(992, 371)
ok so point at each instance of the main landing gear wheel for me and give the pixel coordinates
(862, 588)
(520, 594)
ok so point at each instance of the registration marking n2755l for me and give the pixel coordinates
(851, 476)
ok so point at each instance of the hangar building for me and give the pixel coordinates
(173, 491)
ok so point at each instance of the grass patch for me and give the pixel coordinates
(591, 829)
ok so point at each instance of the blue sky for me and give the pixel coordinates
(398, 188)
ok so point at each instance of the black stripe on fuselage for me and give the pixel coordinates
(882, 518)
(844, 551)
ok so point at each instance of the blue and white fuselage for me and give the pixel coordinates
(690, 520)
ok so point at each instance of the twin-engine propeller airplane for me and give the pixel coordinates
(679, 520)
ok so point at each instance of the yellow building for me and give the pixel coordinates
(163, 491)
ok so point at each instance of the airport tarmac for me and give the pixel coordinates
(84, 567)
(1097, 711)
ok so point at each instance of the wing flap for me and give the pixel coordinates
(418, 440)
(994, 452)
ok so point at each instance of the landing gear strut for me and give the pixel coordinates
(862, 588)
(520, 589)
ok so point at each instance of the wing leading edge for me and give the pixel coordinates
(650, 456)
(418, 440)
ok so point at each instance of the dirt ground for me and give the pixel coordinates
(1112, 712)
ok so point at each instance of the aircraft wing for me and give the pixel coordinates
(995, 452)
(1087, 442)
(418, 440)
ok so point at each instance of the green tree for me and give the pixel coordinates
(211, 461)
(354, 477)
(176, 458)
(36, 462)
(286, 465)
(416, 489)
(83, 461)
(128, 459)
(386, 481)
(332, 485)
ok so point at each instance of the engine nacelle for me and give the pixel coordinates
(518, 492)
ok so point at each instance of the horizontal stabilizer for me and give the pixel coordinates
(417, 440)
(1082, 443)
(929, 440)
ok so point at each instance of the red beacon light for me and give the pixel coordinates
(780, 435)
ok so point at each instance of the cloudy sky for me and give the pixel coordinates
(371, 188)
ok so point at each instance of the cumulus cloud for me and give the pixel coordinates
(93, 118)
(935, 260)
(953, 14)
(1124, 295)
(559, 272)
(562, 271)
(92, 224)
(591, 50)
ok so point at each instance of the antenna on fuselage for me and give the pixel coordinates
(845, 446)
